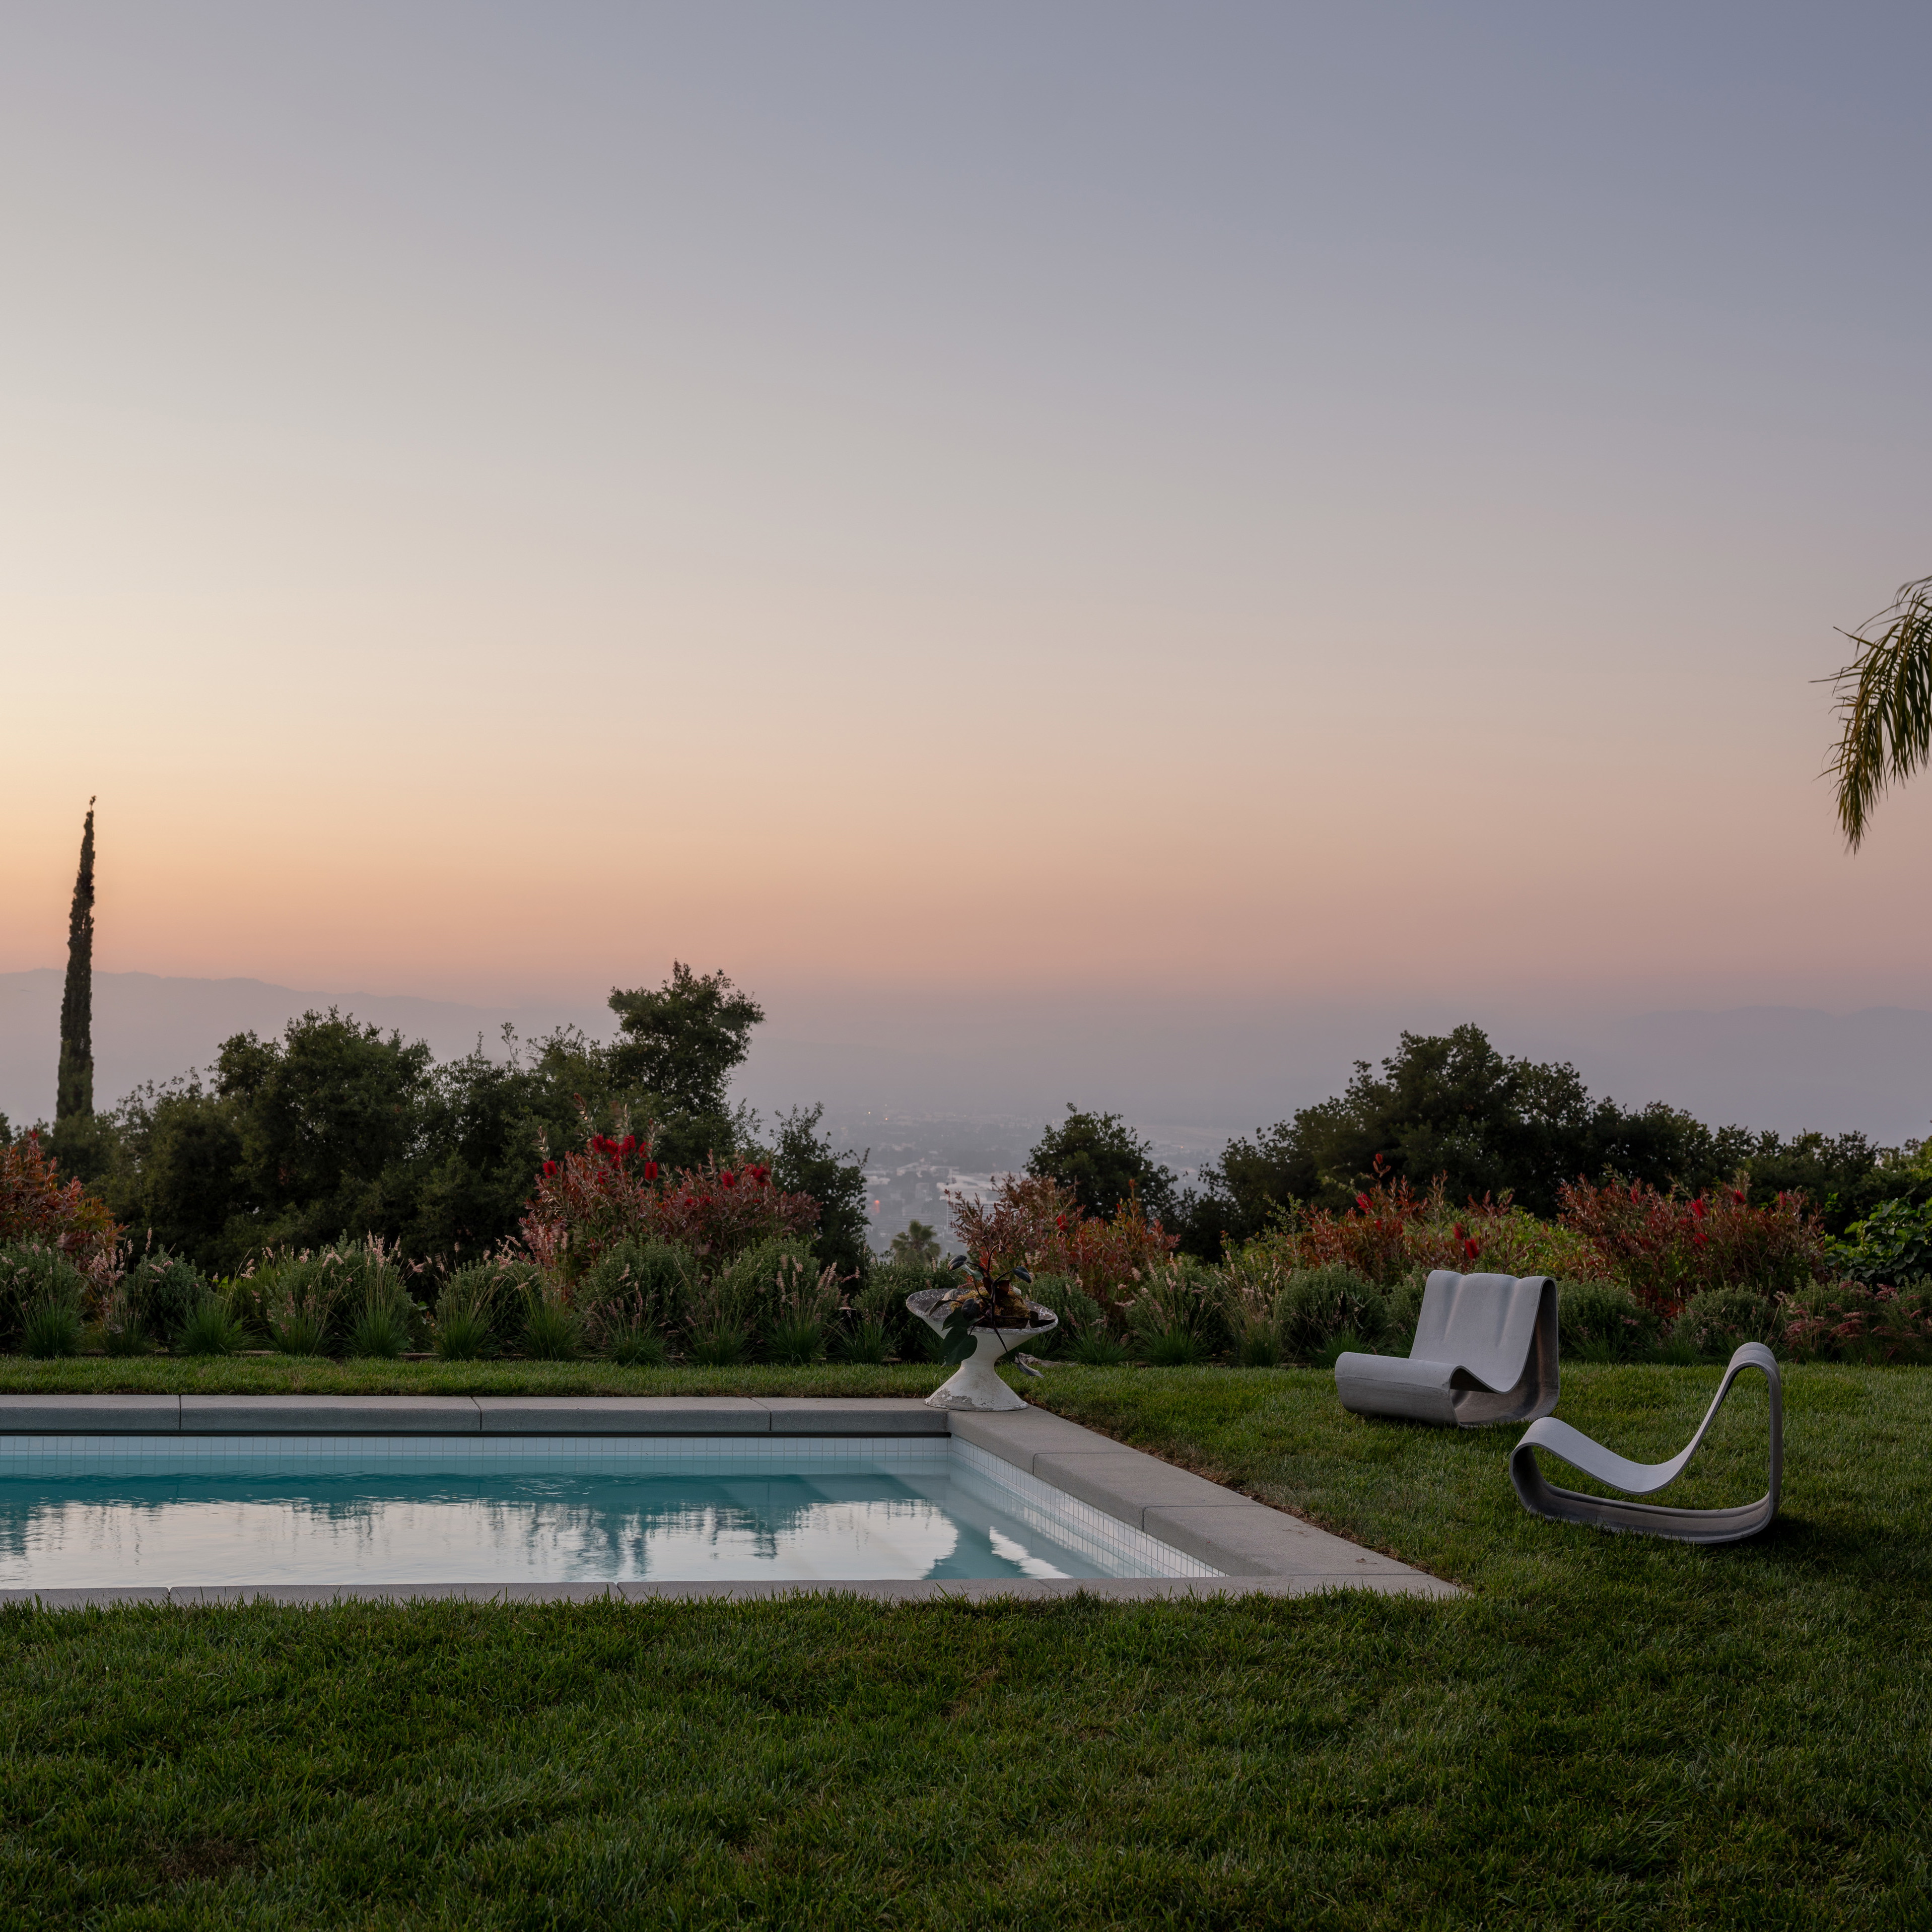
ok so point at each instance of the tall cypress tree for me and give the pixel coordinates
(74, 1096)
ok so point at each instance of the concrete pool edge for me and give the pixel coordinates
(466, 1415)
(1256, 1549)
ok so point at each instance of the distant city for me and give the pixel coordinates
(916, 1164)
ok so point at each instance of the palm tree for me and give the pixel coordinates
(1885, 698)
(917, 1244)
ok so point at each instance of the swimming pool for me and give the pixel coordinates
(79, 1512)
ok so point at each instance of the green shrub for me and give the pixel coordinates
(637, 1287)
(796, 1340)
(476, 1303)
(882, 1298)
(1601, 1322)
(777, 1278)
(1248, 1290)
(379, 1333)
(637, 1347)
(31, 1277)
(121, 1332)
(1177, 1299)
(1343, 1342)
(866, 1340)
(299, 1300)
(1176, 1346)
(1258, 1345)
(461, 1336)
(806, 1305)
(162, 1292)
(1891, 1246)
(1321, 1312)
(1405, 1311)
(300, 1332)
(382, 1317)
(721, 1344)
(355, 1291)
(211, 1329)
(552, 1329)
(1715, 1320)
(51, 1326)
(369, 1279)
(1079, 1313)
(1099, 1348)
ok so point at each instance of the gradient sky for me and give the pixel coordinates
(1253, 504)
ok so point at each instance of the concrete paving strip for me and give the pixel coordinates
(1254, 1547)
(89, 1414)
(622, 1415)
(465, 1415)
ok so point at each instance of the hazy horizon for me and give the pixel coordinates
(1164, 542)
(1189, 1086)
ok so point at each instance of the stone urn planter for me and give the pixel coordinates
(974, 1385)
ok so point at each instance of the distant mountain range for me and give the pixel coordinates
(1189, 1080)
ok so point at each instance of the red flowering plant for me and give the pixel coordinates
(1666, 1248)
(1392, 1232)
(1850, 1321)
(1036, 1223)
(37, 1209)
(613, 1189)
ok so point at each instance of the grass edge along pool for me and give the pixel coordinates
(80, 1511)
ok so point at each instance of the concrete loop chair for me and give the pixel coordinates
(1485, 1350)
(1644, 1479)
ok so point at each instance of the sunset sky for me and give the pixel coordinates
(1257, 504)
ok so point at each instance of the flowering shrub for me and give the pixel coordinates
(1667, 1247)
(1036, 1223)
(1847, 1320)
(1392, 1231)
(612, 1190)
(35, 1206)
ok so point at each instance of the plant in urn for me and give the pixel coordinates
(980, 1322)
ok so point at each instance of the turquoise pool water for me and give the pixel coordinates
(89, 1512)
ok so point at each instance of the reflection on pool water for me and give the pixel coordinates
(89, 1512)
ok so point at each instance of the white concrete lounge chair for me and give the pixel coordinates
(1644, 1479)
(1485, 1350)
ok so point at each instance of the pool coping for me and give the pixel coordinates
(1258, 1549)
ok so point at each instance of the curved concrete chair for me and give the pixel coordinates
(1485, 1350)
(1644, 1479)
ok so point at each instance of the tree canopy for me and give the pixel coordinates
(73, 1093)
(683, 1040)
(803, 1161)
(1451, 1105)
(1105, 1162)
(335, 1128)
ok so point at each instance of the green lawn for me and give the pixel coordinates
(1604, 1732)
(260, 1375)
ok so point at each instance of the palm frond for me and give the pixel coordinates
(1885, 701)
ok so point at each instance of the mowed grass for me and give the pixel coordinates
(314, 1374)
(1603, 1731)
